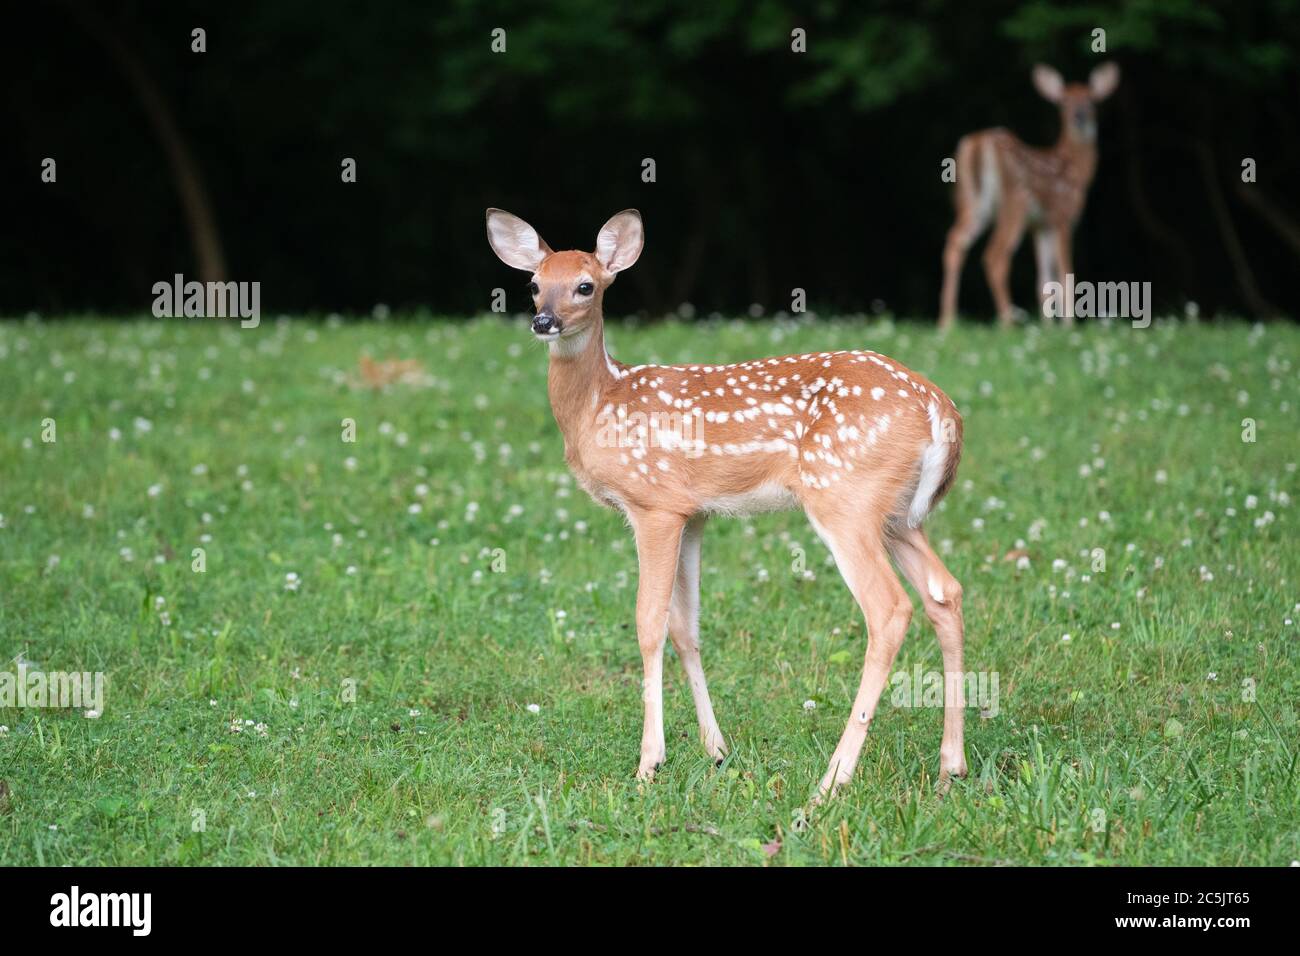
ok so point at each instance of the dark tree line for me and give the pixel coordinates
(773, 169)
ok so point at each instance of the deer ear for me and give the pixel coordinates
(516, 243)
(1048, 83)
(619, 243)
(1103, 81)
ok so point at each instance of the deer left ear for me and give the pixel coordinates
(619, 243)
(1048, 83)
(1103, 81)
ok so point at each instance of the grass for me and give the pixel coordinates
(1134, 742)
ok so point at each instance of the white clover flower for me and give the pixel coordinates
(291, 581)
(810, 704)
(534, 708)
(1065, 638)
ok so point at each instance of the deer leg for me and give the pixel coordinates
(964, 232)
(658, 543)
(1064, 262)
(997, 256)
(865, 567)
(684, 629)
(1045, 256)
(941, 597)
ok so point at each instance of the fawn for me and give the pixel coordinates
(999, 178)
(863, 445)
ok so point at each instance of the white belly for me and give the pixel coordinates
(768, 497)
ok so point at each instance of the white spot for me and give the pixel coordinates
(936, 590)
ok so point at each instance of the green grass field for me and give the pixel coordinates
(418, 648)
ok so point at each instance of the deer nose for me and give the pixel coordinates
(545, 322)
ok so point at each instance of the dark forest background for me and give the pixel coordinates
(774, 169)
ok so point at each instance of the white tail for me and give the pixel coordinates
(1001, 180)
(863, 445)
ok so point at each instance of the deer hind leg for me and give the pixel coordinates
(971, 221)
(1001, 247)
(658, 543)
(1045, 257)
(975, 198)
(941, 597)
(860, 554)
(684, 629)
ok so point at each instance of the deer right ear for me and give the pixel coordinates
(516, 243)
(619, 243)
(1049, 84)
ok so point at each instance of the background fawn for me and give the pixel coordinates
(863, 445)
(1000, 179)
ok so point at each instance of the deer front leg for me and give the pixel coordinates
(684, 629)
(658, 543)
(1045, 257)
(1065, 262)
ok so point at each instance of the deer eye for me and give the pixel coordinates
(586, 288)
(532, 288)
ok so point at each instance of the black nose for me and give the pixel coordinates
(545, 322)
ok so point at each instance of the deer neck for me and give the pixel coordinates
(1079, 154)
(579, 374)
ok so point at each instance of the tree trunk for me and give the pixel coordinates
(186, 177)
(1250, 292)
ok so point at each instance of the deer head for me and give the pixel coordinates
(568, 288)
(1077, 101)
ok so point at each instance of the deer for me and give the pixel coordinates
(865, 446)
(1002, 180)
